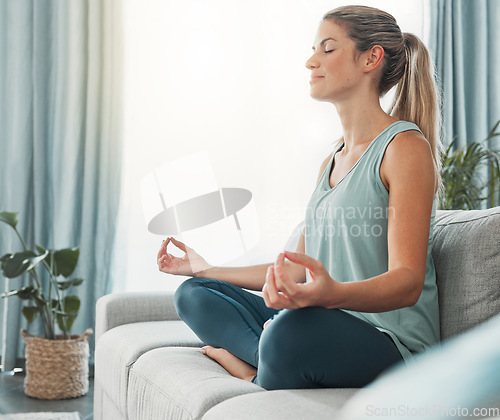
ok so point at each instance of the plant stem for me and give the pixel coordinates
(53, 283)
(44, 310)
(21, 240)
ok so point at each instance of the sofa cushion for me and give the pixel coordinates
(290, 404)
(466, 253)
(180, 383)
(120, 347)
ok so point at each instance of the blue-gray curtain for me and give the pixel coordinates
(60, 142)
(465, 44)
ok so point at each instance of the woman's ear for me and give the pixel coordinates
(374, 57)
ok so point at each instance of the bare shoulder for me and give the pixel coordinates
(409, 154)
(324, 165)
(409, 143)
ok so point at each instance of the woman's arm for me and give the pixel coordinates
(192, 264)
(409, 174)
(254, 277)
(250, 277)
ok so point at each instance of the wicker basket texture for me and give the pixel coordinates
(57, 369)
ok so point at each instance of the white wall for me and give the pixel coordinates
(227, 77)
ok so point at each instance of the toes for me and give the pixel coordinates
(218, 354)
(205, 349)
(210, 351)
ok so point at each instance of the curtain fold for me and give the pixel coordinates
(465, 44)
(61, 142)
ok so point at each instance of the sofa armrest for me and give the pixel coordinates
(128, 307)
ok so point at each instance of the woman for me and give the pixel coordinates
(359, 294)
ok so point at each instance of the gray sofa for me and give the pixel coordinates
(148, 364)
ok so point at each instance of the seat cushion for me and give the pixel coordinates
(292, 404)
(466, 253)
(119, 348)
(180, 383)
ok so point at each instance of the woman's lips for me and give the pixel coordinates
(315, 78)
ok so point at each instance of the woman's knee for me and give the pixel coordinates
(283, 347)
(289, 326)
(187, 295)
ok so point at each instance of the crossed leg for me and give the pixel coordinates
(223, 316)
(303, 348)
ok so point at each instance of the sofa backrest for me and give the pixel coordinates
(466, 254)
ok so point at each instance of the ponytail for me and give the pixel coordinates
(416, 98)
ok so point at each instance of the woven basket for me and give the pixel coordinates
(57, 369)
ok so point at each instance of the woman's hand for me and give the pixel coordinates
(190, 264)
(280, 292)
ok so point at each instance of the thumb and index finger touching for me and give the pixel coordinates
(178, 244)
(302, 259)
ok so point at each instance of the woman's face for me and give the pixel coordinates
(335, 70)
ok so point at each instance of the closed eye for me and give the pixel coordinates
(328, 51)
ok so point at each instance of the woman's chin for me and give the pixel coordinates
(319, 97)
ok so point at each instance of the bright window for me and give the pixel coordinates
(227, 77)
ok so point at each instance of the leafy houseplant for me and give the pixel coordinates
(55, 368)
(51, 302)
(464, 188)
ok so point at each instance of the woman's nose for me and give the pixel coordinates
(311, 63)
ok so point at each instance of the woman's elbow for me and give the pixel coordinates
(415, 289)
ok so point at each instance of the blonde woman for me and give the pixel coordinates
(359, 294)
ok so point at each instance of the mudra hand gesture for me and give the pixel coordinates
(190, 264)
(281, 292)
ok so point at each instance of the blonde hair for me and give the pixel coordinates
(407, 64)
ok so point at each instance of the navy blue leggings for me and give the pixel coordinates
(311, 347)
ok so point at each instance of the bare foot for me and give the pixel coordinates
(235, 366)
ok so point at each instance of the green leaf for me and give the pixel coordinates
(23, 293)
(70, 321)
(66, 319)
(54, 303)
(5, 258)
(28, 292)
(65, 261)
(30, 313)
(71, 304)
(462, 175)
(20, 263)
(493, 132)
(63, 285)
(9, 218)
(61, 323)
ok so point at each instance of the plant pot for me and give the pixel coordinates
(57, 369)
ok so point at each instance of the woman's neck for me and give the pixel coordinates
(362, 121)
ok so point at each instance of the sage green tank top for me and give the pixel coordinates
(346, 229)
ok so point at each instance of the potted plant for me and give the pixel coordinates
(56, 365)
(464, 184)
